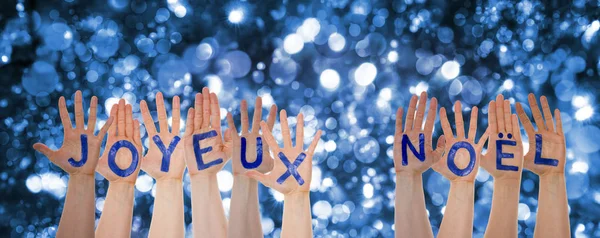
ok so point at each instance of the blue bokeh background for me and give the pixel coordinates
(346, 64)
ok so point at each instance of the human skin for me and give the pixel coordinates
(458, 217)
(244, 195)
(296, 203)
(208, 215)
(503, 127)
(167, 215)
(117, 213)
(552, 218)
(78, 214)
(410, 215)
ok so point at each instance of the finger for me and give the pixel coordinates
(399, 114)
(285, 129)
(537, 114)
(458, 120)
(547, 114)
(507, 119)
(516, 131)
(525, 120)
(45, 150)
(445, 123)
(500, 113)
(231, 123)
(314, 143)
(91, 125)
(431, 114)
(418, 124)
(105, 128)
(128, 121)
(410, 116)
(244, 116)
(189, 123)
(257, 116)
(439, 149)
(79, 110)
(163, 124)
(137, 137)
(483, 139)
(492, 125)
(272, 117)
(268, 136)
(215, 112)
(559, 128)
(300, 132)
(121, 118)
(147, 117)
(473, 123)
(64, 114)
(176, 116)
(205, 107)
(112, 130)
(262, 178)
(198, 111)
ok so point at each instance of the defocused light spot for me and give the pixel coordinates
(309, 29)
(579, 167)
(385, 94)
(293, 43)
(368, 190)
(336, 42)
(450, 69)
(580, 101)
(508, 84)
(524, 211)
(34, 183)
(322, 209)
(330, 79)
(393, 56)
(144, 183)
(365, 74)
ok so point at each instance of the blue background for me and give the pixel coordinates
(346, 64)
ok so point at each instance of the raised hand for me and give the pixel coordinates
(80, 149)
(413, 150)
(293, 168)
(122, 158)
(204, 148)
(504, 157)
(249, 151)
(164, 159)
(461, 160)
(547, 146)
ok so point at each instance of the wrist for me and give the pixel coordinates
(244, 181)
(552, 175)
(82, 177)
(296, 196)
(408, 175)
(169, 183)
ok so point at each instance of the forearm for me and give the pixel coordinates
(117, 213)
(410, 215)
(167, 217)
(503, 220)
(208, 215)
(458, 217)
(553, 211)
(245, 218)
(78, 216)
(297, 221)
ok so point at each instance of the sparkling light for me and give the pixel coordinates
(393, 56)
(309, 29)
(508, 84)
(365, 74)
(584, 113)
(236, 16)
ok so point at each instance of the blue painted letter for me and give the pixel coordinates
(452, 153)
(166, 159)
(112, 154)
(501, 155)
(259, 151)
(406, 143)
(84, 153)
(292, 169)
(198, 151)
(538, 153)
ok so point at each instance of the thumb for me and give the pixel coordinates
(439, 149)
(258, 176)
(44, 149)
